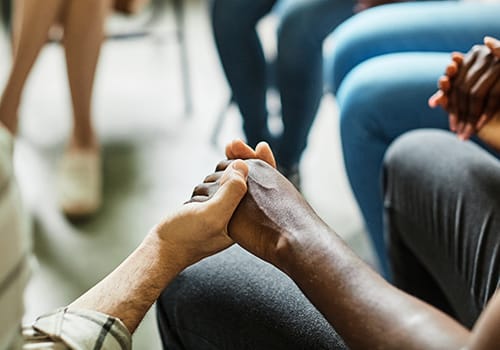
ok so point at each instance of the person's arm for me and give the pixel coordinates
(105, 316)
(274, 222)
(192, 233)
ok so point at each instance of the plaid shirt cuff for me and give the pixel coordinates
(81, 329)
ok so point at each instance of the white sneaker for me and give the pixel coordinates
(79, 182)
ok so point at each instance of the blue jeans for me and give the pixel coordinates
(385, 64)
(299, 65)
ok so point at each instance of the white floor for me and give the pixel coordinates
(153, 157)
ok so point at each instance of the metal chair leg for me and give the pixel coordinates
(179, 14)
(220, 122)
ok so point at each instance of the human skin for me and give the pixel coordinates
(198, 229)
(362, 5)
(274, 222)
(83, 25)
(470, 88)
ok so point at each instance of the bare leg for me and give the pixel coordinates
(83, 35)
(16, 24)
(30, 35)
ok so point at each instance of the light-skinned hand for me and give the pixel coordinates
(199, 228)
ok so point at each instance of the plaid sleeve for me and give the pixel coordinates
(77, 329)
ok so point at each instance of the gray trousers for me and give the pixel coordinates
(442, 201)
(442, 213)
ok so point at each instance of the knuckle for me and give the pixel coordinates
(222, 165)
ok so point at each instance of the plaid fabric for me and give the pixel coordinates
(63, 329)
(77, 329)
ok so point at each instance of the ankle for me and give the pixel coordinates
(83, 143)
(9, 126)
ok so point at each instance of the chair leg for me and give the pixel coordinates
(179, 14)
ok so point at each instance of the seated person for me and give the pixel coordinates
(443, 229)
(298, 68)
(454, 267)
(384, 66)
(105, 316)
(450, 271)
(275, 223)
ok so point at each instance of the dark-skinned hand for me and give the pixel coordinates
(271, 209)
(470, 88)
(362, 5)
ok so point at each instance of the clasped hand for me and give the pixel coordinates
(247, 201)
(470, 91)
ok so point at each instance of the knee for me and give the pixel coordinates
(415, 151)
(364, 103)
(419, 162)
(359, 38)
(351, 43)
(399, 152)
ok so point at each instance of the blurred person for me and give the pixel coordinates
(79, 173)
(304, 24)
(106, 315)
(444, 234)
(384, 66)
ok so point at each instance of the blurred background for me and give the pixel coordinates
(159, 108)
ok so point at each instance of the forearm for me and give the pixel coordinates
(130, 290)
(364, 309)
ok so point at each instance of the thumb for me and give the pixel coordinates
(263, 152)
(493, 44)
(233, 186)
(239, 149)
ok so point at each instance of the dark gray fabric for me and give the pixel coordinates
(443, 218)
(442, 213)
(235, 301)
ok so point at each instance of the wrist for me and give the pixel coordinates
(170, 257)
(302, 247)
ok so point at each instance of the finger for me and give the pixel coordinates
(453, 121)
(263, 152)
(239, 150)
(492, 44)
(229, 151)
(457, 57)
(436, 99)
(468, 131)
(480, 123)
(197, 199)
(459, 97)
(460, 127)
(451, 69)
(480, 91)
(444, 83)
(493, 101)
(233, 186)
(222, 165)
(204, 189)
(213, 177)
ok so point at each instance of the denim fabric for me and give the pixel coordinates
(385, 64)
(299, 64)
